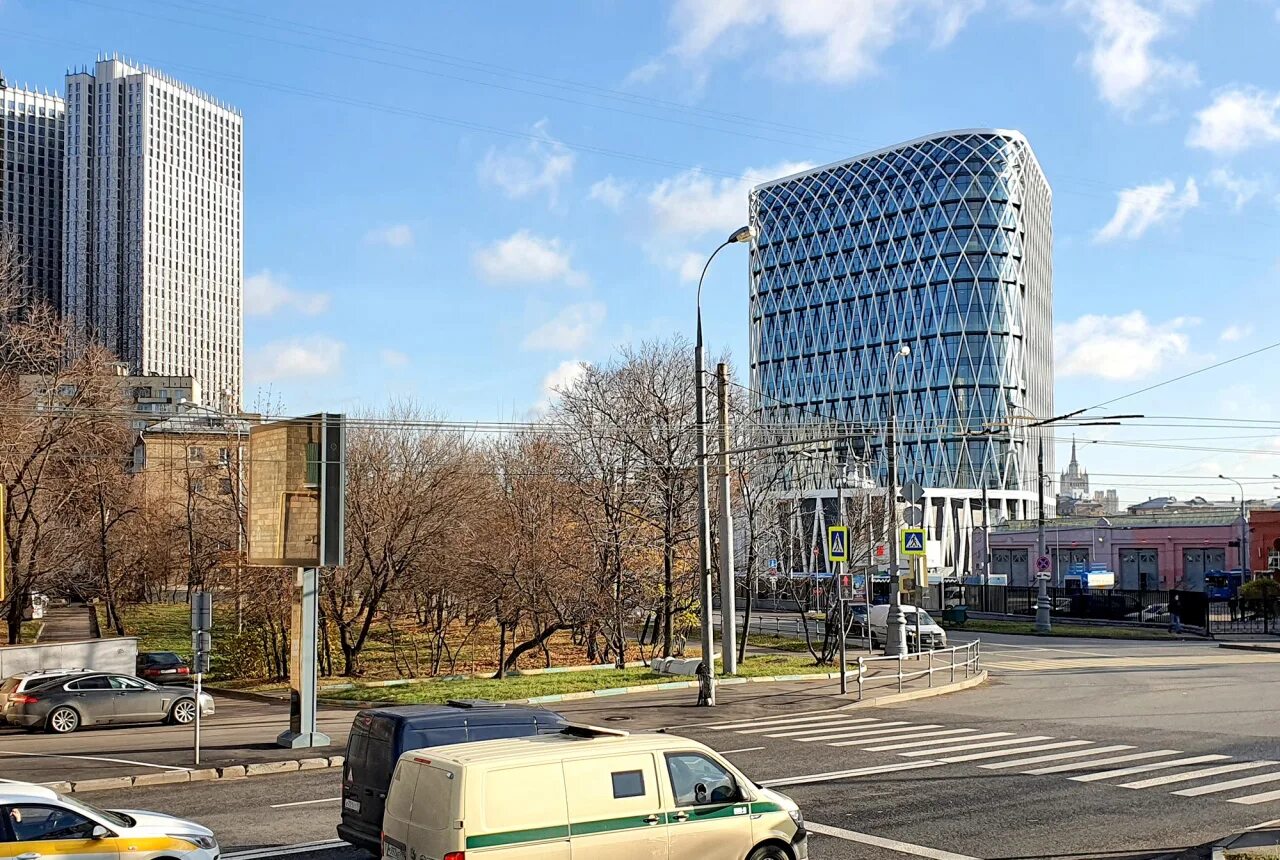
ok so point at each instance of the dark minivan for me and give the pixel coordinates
(379, 736)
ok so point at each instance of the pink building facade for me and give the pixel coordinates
(1144, 552)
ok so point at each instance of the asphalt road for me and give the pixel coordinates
(1174, 717)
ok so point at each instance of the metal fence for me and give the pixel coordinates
(963, 661)
(1240, 616)
(1111, 604)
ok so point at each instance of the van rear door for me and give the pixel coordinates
(437, 802)
(371, 757)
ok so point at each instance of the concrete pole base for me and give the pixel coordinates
(303, 740)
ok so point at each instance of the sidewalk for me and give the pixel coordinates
(67, 624)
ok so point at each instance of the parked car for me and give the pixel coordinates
(38, 822)
(1156, 613)
(601, 793)
(24, 681)
(380, 735)
(163, 667)
(62, 705)
(932, 635)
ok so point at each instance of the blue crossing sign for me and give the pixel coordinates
(913, 541)
(837, 543)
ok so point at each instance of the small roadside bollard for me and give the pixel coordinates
(704, 685)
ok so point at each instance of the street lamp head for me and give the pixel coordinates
(904, 350)
(1224, 477)
(742, 234)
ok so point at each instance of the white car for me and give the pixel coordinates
(38, 822)
(24, 681)
(933, 636)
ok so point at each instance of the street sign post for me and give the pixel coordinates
(913, 542)
(837, 543)
(1044, 564)
(201, 646)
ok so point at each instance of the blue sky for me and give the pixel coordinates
(456, 202)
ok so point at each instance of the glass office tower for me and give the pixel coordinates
(945, 244)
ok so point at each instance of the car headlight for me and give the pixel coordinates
(798, 817)
(208, 843)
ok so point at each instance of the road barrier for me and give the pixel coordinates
(971, 664)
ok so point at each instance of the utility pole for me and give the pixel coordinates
(844, 568)
(1043, 625)
(728, 609)
(707, 695)
(896, 621)
(986, 537)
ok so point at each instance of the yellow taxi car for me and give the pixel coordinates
(37, 823)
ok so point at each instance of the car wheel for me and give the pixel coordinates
(184, 711)
(769, 852)
(62, 721)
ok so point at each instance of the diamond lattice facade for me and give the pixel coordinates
(944, 244)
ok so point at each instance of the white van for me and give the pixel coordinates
(585, 794)
(934, 637)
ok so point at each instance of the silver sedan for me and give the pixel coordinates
(97, 698)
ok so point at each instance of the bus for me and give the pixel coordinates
(1223, 584)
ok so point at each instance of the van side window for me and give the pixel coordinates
(698, 781)
(628, 783)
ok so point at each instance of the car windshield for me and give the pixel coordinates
(117, 818)
(164, 658)
(924, 617)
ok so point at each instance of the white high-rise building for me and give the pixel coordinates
(32, 126)
(153, 233)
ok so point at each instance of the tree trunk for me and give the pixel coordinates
(536, 642)
(502, 650)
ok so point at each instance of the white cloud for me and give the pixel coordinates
(1233, 333)
(568, 331)
(1239, 118)
(266, 292)
(393, 236)
(524, 257)
(394, 358)
(541, 165)
(1240, 188)
(1121, 59)
(563, 376)
(1140, 208)
(833, 41)
(1118, 348)
(295, 358)
(693, 204)
(610, 192)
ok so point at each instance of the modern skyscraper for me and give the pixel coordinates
(32, 131)
(154, 213)
(944, 244)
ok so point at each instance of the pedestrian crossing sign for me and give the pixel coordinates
(837, 543)
(913, 541)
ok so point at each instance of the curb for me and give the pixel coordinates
(174, 777)
(1264, 647)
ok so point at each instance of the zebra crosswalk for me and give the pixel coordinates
(1087, 762)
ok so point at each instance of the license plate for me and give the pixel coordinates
(392, 852)
(353, 805)
(168, 671)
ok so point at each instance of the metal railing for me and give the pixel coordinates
(970, 664)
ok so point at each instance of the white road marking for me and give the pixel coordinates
(792, 731)
(913, 744)
(803, 717)
(908, 734)
(1215, 787)
(284, 850)
(869, 732)
(1115, 759)
(305, 802)
(842, 774)
(963, 747)
(881, 842)
(1022, 762)
(998, 753)
(1196, 774)
(743, 750)
(91, 758)
(1251, 799)
(1143, 768)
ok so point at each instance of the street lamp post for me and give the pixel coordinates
(895, 642)
(707, 692)
(1244, 532)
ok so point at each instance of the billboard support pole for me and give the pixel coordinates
(302, 731)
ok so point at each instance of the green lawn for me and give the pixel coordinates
(1082, 630)
(794, 644)
(530, 686)
(30, 630)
